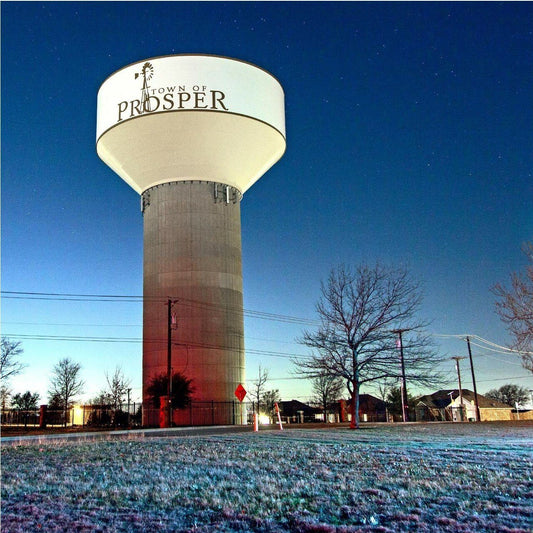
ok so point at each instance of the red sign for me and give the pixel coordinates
(240, 392)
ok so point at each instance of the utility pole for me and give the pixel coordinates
(405, 405)
(171, 323)
(478, 414)
(129, 390)
(457, 359)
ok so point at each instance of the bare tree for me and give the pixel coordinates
(257, 390)
(515, 308)
(327, 389)
(65, 383)
(359, 311)
(5, 396)
(102, 399)
(114, 393)
(117, 388)
(9, 363)
(384, 391)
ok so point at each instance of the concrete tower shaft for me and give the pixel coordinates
(192, 253)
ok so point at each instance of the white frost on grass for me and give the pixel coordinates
(383, 478)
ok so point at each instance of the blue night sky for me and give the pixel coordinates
(409, 141)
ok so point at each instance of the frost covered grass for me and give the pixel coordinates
(441, 477)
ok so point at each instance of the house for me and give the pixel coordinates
(445, 405)
(371, 409)
(297, 412)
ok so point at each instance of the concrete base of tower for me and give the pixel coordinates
(192, 256)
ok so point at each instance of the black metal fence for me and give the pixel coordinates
(18, 417)
(211, 413)
(126, 415)
(130, 415)
(207, 413)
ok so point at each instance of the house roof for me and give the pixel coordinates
(293, 406)
(367, 398)
(442, 399)
(371, 403)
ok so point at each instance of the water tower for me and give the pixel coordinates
(191, 133)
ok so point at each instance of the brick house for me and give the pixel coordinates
(298, 412)
(445, 405)
(371, 409)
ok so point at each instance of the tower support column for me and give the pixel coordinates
(192, 254)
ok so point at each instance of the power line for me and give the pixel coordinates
(138, 340)
(489, 345)
(501, 349)
(66, 338)
(497, 359)
(449, 335)
(281, 379)
(15, 295)
(120, 339)
(199, 304)
(504, 379)
(492, 349)
(38, 337)
(254, 352)
(506, 352)
(492, 346)
(86, 325)
(72, 324)
(139, 299)
(505, 349)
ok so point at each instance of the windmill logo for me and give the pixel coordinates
(147, 72)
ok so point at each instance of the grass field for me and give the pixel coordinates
(431, 477)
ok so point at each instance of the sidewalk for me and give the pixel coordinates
(125, 434)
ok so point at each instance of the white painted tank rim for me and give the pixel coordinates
(192, 181)
(195, 111)
(196, 55)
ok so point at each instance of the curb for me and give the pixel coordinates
(124, 434)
